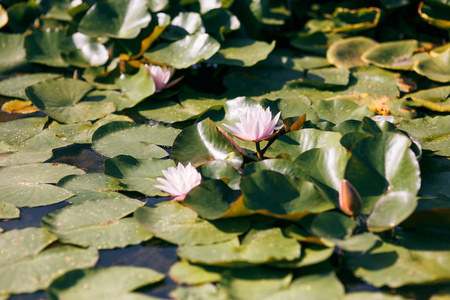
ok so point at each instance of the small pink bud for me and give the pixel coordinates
(349, 199)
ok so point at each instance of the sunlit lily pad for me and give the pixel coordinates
(83, 51)
(202, 143)
(13, 58)
(380, 164)
(373, 80)
(435, 15)
(433, 133)
(242, 52)
(98, 223)
(25, 268)
(371, 296)
(346, 53)
(177, 224)
(392, 55)
(218, 169)
(120, 19)
(435, 68)
(14, 133)
(203, 291)
(137, 86)
(138, 175)
(258, 246)
(29, 185)
(219, 22)
(188, 273)
(317, 286)
(139, 141)
(109, 283)
(60, 99)
(185, 52)
(437, 99)
(340, 110)
(311, 255)
(19, 107)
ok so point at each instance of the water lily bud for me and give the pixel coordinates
(349, 199)
(255, 125)
(179, 181)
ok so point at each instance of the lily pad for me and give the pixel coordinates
(380, 164)
(297, 142)
(60, 100)
(311, 255)
(220, 170)
(15, 86)
(435, 68)
(13, 58)
(42, 47)
(390, 210)
(25, 268)
(138, 175)
(15, 132)
(8, 211)
(242, 52)
(437, 99)
(188, 273)
(371, 296)
(19, 107)
(136, 87)
(339, 110)
(435, 15)
(30, 185)
(177, 224)
(109, 283)
(258, 246)
(346, 53)
(185, 52)
(392, 55)
(433, 133)
(139, 141)
(121, 19)
(282, 195)
(97, 223)
(83, 51)
(202, 143)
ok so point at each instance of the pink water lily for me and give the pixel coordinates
(179, 181)
(161, 76)
(256, 125)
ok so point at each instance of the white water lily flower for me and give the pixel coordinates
(179, 181)
(256, 125)
(161, 76)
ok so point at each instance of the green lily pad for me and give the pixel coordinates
(242, 52)
(138, 174)
(121, 19)
(371, 296)
(380, 164)
(188, 22)
(203, 291)
(435, 68)
(397, 265)
(25, 268)
(202, 143)
(15, 86)
(177, 224)
(188, 273)
(258, 246)
(325, 78)
(8, 211)
(189, 107)
(97, 223)
(13, 58)
(435, 15)
(322, 285)
(278, 165)
(437, 99)
(60, 100)
(42, 47)
(357, 243)
(29, 185)
(346, 53)
(293, 107)
(392, 55)
(390, 210)
(218, 169)
(353, 20)
(81, 133)
(433, 133)
(185, 52)
(253, 283)
(297, 142)
(136, 87)
(332, 159)
(139, 141)
(311, 255)
(282, 195)
(331, 224)
(36, 149)
(339, 110)
(15, 132)
(117, 282)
